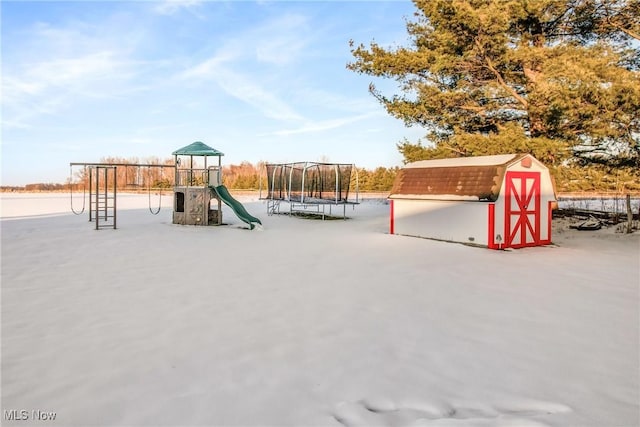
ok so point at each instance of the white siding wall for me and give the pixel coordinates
(444, 220)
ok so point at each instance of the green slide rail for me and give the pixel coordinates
(236, 206)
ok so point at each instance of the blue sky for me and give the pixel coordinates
(259, 81)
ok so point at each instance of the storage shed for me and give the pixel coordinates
(499, 202)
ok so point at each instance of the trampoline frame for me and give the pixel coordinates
(303, 203)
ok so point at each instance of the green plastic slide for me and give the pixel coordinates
(237, 207)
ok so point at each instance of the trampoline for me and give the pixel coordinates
(310, 187)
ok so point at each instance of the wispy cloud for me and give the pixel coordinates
(76, 71)
(47, 86)
(169, 7)
(246, 90)
(279, 50)
(140, 141)
(208, 68)
(282, 40)
(19, 114)
(323, 125)
(235, 66)
(64, 65)
(339, 100)
(242, 87)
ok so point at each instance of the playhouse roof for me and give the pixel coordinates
(197, 149)
(464, 178)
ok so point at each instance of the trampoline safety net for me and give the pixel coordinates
(309, 182)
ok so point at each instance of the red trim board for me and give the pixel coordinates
(392, 219)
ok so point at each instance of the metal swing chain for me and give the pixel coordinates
(84, 192)
(159, 198)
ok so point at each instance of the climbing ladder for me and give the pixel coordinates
(102, 201)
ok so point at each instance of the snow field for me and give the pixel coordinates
(332, 323)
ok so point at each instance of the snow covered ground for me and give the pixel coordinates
(309, 323)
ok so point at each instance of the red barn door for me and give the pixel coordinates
(522, 209)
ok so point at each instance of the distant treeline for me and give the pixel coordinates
(245, 176)
(40, 186)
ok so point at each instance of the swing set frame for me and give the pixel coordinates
(99, 165)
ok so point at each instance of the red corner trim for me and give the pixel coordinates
(549, 219)
(391, 219)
